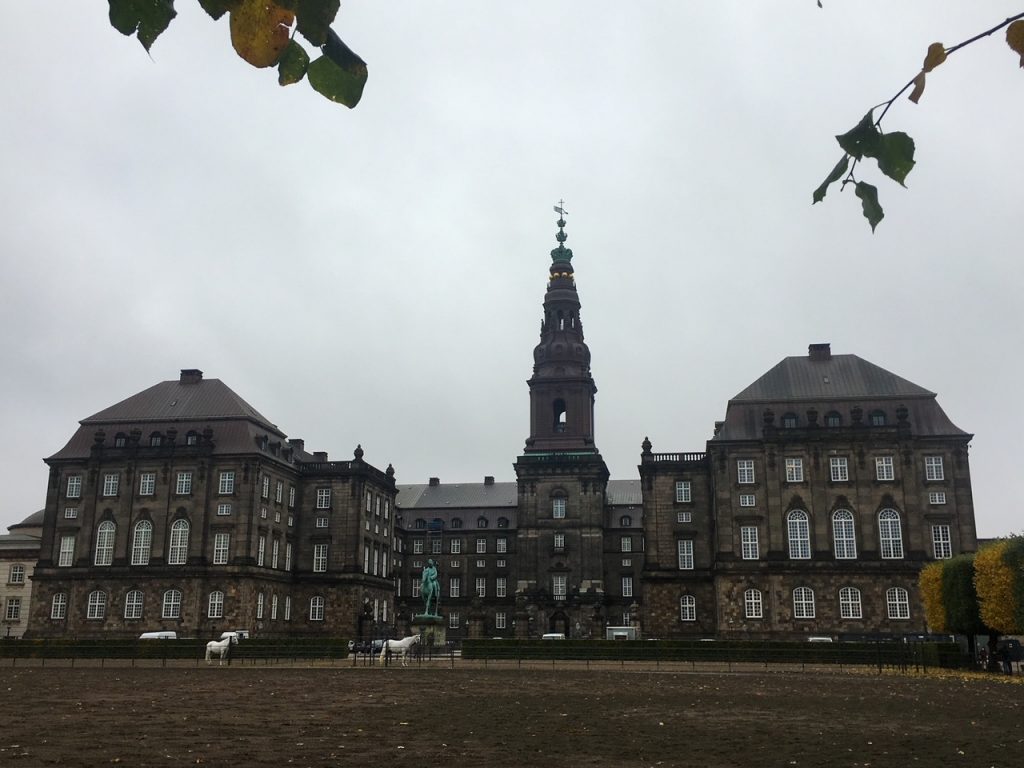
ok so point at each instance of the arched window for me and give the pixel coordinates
(215, 605)
(849, 603)
(753, 606)
(789, 421)
(558, 409)
(456, 522)
(503, 522)
(798, 527)
(833, 419)
(142, 540)
(97, 605)
(897, 601)
(558, 507)
(843, 538)
(803, 603)
(890, 537)
(172, 604)
(105, 543)
(625, 521)
(133, 604)
(481, 522)
(687, 608)
(316, 608)
(178, 552)
(59, 606)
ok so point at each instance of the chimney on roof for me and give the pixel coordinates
(434, 481)
(819, 351)
(320, 455)
(488, 479)
(190, 376)
(297, 444)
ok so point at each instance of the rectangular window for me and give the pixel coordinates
(481, 546)
(933, 469)
(559, 541)
(453, 620)
(747, 500)
(366, 558)
(684, 517)
(59, 606)
(626, 544)
(745, 471)
(97, 605)
(147, 483)
(376, 561)
(481, 563)
(435, 545)
(259, 606)
(70, 513)
(500, 620)
(171, 605)
(319, 558)
(803, 603)
(883, 468)
(502, 545)
(415, 586)
(278, 496)
(288, 556)
(942, 544)
(16, 575)
(937, 497)
(13, 612)
(558, 508)
(322, 522)
(74, 490)
(456, 546)
(753, 606)
(263, 513)
(369, 501)
(274, 551)
(376, 505)
(323, 498)
(67, 552)
(215, 605)
(683, 491)
(684, 552)
(387, 508)
(287, 607)
(627, 586)
(277, 515)
(453, 563)
(481, 586)
(111, 481)
(500, 563)
(748, 542)
(839, 470)
(273, 607)
(849, 603)
(454, 586)
(261, 550)
(184, 484)
(227, 482)
(291, 503)
(265, 490)
(223, 510)
(558, 586)
(500, 586)
(417, 546)
(794, 470)
(221, 542)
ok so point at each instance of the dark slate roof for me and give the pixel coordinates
(625, 493)
(35, 520)
(840, 377)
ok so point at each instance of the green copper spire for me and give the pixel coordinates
(561, 253)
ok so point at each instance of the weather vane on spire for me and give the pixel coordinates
(560, 209)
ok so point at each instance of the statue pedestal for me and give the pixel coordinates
(431, 629)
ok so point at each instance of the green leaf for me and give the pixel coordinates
(896, 155)
(149, 18)
(293, 64)
(217, 8)
(339, 74)
(869, 201)
(835, 175)
(315, 18)
(862, 139)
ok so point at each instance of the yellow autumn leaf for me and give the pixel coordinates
(935, 56)
(1015, 38)
(918, 87)
(260, 31)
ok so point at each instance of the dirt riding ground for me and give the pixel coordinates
(341, 715)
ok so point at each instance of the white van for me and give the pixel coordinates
(158, 636)
(553, 636)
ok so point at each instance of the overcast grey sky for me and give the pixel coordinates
(375, 276)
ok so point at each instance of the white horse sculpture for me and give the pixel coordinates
(221, 647)
(400, 647)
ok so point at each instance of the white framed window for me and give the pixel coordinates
(839, 469)
(799, 530)
(67, 551)
(142, 542)
(803, 603)
(261, 550)
(844, 540)
(183, 487)
(500, 586)
(147, 483)
(70, 513)
(933, 469)
(456, 546)
(481, 546)
(502, 545)
(481, 586)
(453, 620)
(263, 513)
(684, 554)
(273, 607)
(627, 562)
(172, 605)
(500, 620)
(13, 612)
(747, 500)
(877, 419)
(226, 483)
(111, 483)
(376, 560)
(884, 468)
(322, 522)
(454, 586)
(323, 498)
(890, 535)
(937, 497)
(627, 586)
(684, 516)
(454, 563)
(16, 574)
(749, 549)
(753, 605)
(626, 544)
(417, 546)
(291, 504)
(59, 606)
(260, 602)
(559, 541)
(221, 547)
(435, 544)
(104, 543)
(898, 603)
(319, 558)
(849, 603)
(291, 520)
(942, 544)
(178, 552)
(74, 489)
(369, 501)
(387, 509)
(223, 509)
(558, 507)
(287, 607)
(745, 471)
(288, 556)
(215, 605)
(97, 605)
(559, 585)
(683, 494)
(794, 470)
(481, 563)
(415, 587)
(278, 494)
(265, 489)
(687, 608)
(316, 608)
(500, 563)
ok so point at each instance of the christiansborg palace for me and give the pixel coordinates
(825, 488)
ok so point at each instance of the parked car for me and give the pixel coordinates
(241, 634)
(553, 636)
(158, 636)
(365, 646)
